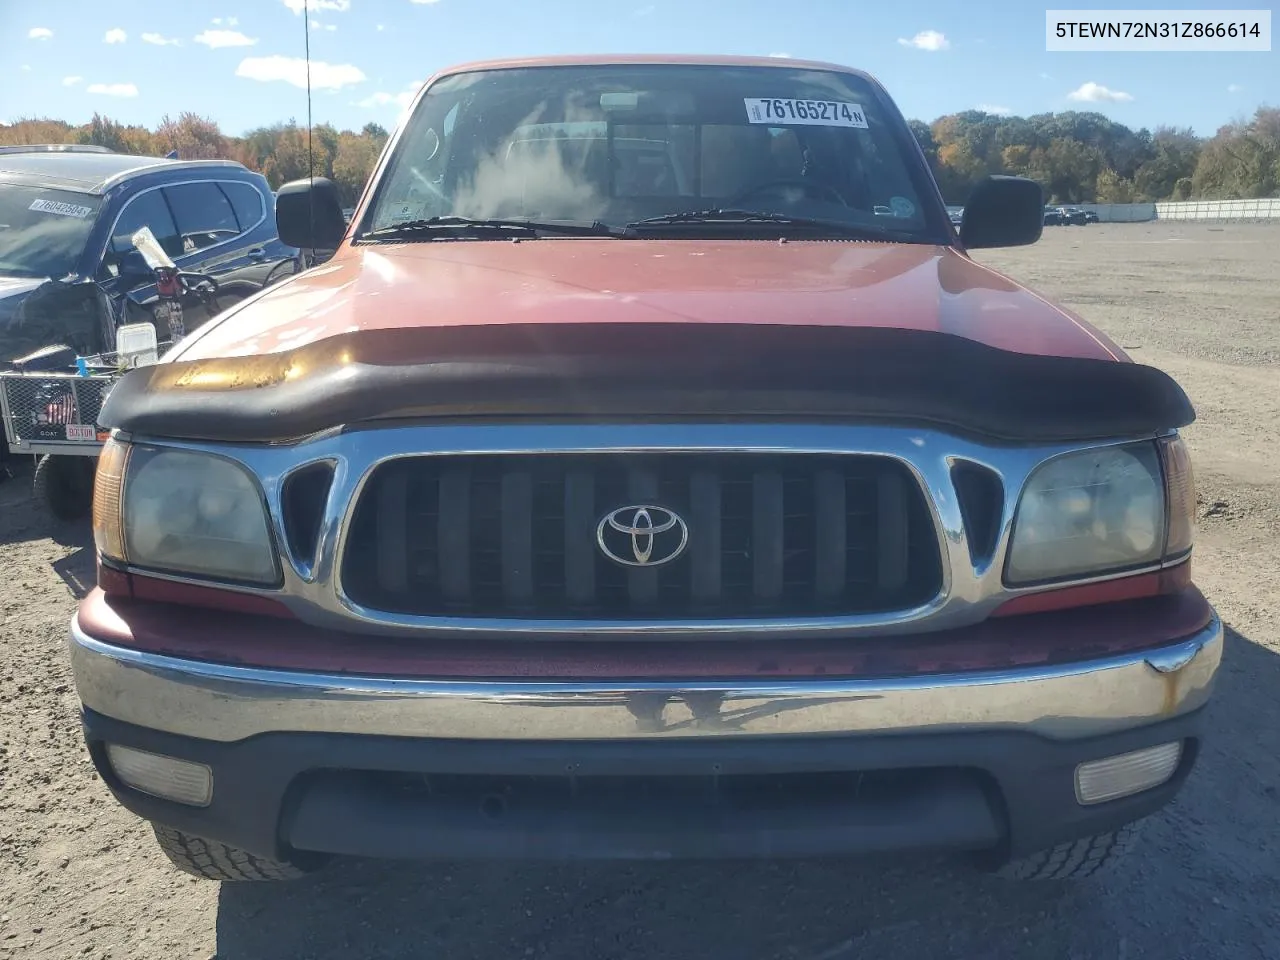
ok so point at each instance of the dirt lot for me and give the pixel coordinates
(80, 877)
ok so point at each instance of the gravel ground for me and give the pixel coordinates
(81, 877)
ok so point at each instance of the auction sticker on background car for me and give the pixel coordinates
(817, 113)
(60, 208)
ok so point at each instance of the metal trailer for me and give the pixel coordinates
(53, 417)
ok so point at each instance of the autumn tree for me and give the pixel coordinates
(36, 130)
(193, 136)
(352, 164)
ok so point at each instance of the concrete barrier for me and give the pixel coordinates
(1263, 209)
(1122, 212)
(1219, 210)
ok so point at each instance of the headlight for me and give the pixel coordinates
(1089, 513)
(184, 512)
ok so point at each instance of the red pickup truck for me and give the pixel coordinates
(650, 473)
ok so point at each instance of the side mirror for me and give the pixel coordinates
(1003, 212)
(309, 214)
(133, 267)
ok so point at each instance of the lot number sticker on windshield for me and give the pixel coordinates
(814, 113)
(60, 208)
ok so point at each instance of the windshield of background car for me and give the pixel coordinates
(619, 143)
(42, 231)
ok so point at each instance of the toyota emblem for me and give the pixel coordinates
(642, 535)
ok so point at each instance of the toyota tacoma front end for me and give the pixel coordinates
(630, 484)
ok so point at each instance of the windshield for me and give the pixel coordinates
(617, 144)
(43, 231)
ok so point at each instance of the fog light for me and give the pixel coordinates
(160, 776)
(1128, 773)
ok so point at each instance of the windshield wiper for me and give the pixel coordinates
(724, 216)
(491, 227)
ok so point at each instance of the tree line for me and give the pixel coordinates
(281, 151)
(1077, 157)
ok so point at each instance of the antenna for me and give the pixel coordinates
(306, 34)
(311, 164)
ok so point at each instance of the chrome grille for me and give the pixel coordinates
(516, 536)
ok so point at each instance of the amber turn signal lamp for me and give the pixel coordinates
(1180, 495)
(108, 490)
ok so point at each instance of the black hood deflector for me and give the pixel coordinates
(610, 372)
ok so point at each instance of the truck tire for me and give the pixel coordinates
(1073, 860)
(64, 485)
(211, 860)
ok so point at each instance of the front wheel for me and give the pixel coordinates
(211, 860)
(1073, 860)
(64, 485)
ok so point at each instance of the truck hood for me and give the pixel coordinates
(606, 329)
(588, 281)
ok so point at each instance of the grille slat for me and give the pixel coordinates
(580, 537)
(455, 533)
(642, 582)
(830, 556)
(892, 535)
(704, 536)
(767, 536)
(515, 536)
(393, 551)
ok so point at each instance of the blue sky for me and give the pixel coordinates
(239, 61)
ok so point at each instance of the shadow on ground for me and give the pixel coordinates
(23, 521)
(1202, 882)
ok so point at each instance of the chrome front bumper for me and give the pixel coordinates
(226, 703)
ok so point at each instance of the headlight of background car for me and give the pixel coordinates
(184, 512)
(1089, 513)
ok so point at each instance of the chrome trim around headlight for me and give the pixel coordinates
(970, 591)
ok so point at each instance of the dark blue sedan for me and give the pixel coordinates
(67, 216)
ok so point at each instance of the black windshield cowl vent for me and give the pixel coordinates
(302, 499)
(981, 497)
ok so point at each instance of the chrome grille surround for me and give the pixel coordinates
(971, 580)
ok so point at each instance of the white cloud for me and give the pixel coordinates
(317, 25)
(995, 109)
(160, 40)
(113, 89)
(383, 99)
(39, 33)
(71, 81)
(26, 68)
(930, 40)
(337, 6)
(380, 28)
(1096, 93)
(216, 21)
(324, 76)
(1234, 88)
(642, 12)
(411, 1)
(215, 39)
(1045, 76)
(115, 35)
(782, 56)
(233, 22)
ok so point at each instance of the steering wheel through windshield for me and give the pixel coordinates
(813, 187)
